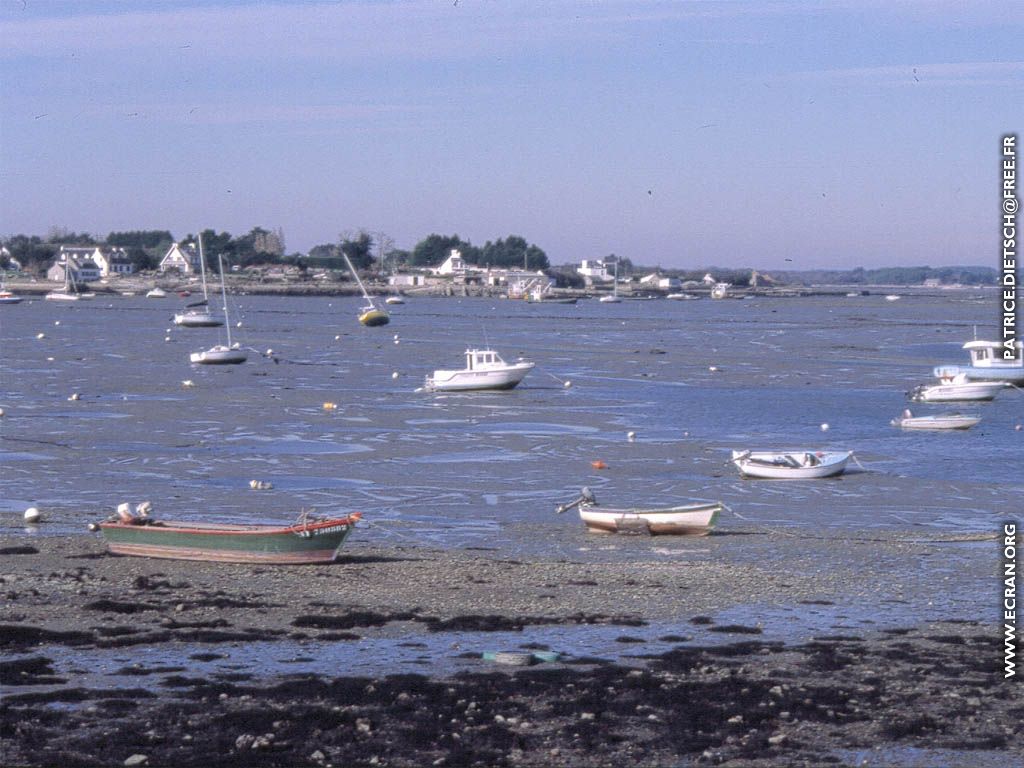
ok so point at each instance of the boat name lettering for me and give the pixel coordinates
(322, 531)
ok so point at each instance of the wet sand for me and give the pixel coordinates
(930, 691)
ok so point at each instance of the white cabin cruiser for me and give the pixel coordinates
(908, 420)
(484, 370)
(989, 363)
(956, 388)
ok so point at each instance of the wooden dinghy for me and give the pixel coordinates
(686, 520)
(308, 540)
(791, 465)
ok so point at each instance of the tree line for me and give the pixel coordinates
(366, 250)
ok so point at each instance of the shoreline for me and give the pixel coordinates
(161, 686)
(244, 286)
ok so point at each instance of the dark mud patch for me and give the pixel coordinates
(36, 670)
(26, 549)
(751, 704)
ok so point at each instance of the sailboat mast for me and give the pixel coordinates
(202, 267)
(224, 297)
(356, 276)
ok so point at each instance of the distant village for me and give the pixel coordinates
(114, 267)
(85, 265)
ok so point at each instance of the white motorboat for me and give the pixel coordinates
(686, 520)
(990, 361)
(682, 296)
(156, 293)
(221, 354)
(7, 297)
(394, 300)
(198, 313)
(941, 421)
(956, 388)
(893, 297)
(791, 465)
(484, 370)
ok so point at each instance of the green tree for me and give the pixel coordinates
(358, 248)
(513, 253)
(434, 249)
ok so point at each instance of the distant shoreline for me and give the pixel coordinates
(138, 286)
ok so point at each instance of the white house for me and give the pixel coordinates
(113, 261)
(184, 258)
(657, 282)
(597, 270)
(83, 268)
(453, 265)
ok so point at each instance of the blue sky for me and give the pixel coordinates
(675, 133)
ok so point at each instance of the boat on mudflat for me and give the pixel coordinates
(685, 520)
(484, 370)
(989, 363)
(791, 465)
(908, 420)
(308, 540)
(956, 388)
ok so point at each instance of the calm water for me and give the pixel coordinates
(488, 468)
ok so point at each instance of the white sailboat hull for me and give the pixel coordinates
(219, 355)
(198, 320)
(791, 465)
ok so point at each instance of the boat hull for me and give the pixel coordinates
(317, 542)
(1013, 374)
(790, 465)
(198, 320)
(219, 356)
(952, 393)
(374, 317)
(936, 422)
(465, 381)
(690, 520)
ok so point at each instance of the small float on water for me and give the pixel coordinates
(307, 540)
(686, 520)
(485, 369)
(908, 420)
(791, 465)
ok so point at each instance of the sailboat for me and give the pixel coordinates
(70, 290)
(613, 298)
(198, 314)
(221, 354)
(370, 315)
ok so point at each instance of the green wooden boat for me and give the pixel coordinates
(308, 540)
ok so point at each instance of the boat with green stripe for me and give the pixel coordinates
(308, 540)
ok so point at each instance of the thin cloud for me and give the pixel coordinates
(972, 74)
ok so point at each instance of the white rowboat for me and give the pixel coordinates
(791, 465)
(686, 520)
(942, 421)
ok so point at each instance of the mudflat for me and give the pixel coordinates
(116, 660)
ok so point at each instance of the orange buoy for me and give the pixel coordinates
(598, 464)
